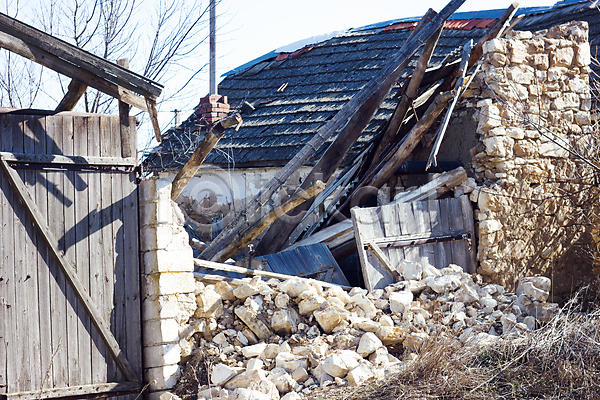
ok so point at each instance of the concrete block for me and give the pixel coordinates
(160, 331)
(169, 283)
(162, 354)
(168, 261)
(155, 189)
(162, 378)
(156, 213)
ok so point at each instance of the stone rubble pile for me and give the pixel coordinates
(272, 340)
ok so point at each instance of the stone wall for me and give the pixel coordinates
(534, 110)
(168, 285)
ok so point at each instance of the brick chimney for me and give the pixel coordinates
(211, 109)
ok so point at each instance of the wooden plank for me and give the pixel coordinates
(71, 159)
(331, 127)
(383, 258)
(75, 390)
(409, 225)
(436, 218)
(469, 224)
(55, 199)
(84, 325)
(6, 262)
(74, 55)
(56, 63)
(211, 138)
(460, 254)
(253, 272)
(96, 271)
(328, 235)
(30, 278)
(75, 91)
(69, 271)
(367, 226)
(391, 228)
(153, 114)
(124, 119)
(132, 266)
(437, 186)
(421, 209)
(420, 239)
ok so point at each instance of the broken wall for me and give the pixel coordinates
(168, 285)
(533, 120)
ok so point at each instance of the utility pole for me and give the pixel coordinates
(213, 48)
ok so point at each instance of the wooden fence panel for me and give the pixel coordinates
(47, 340)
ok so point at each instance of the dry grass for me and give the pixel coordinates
(559, 361)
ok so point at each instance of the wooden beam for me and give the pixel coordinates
(411, 140)
(410, 93)
(82, 391)
(382, 257)
(248, 235)
(153, 114)
(192, 165)
(254, 272)
(330, 235)
(70, 272)
(418, 239)
(72, 54)
(331, 127)
(127, 143)
(68, 160)
(75, 90)
(442, 183)
(275, 239)
(53, 62)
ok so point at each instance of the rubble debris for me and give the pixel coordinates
(265, 346)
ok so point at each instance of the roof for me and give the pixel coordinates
(295, 93)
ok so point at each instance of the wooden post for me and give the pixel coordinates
(126, 138)
(193, 164)
(408, 96)
(331, 127)
(275, 238)
(75, 90)
(259, 227)
(153, 114)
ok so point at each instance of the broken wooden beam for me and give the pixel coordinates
(254, 272)
(410, 93)
(248, 235)
(275, 238)
(75, 90)
(442, 183)
(330, 128)
(192, 165)
(333, 236)
(153, 114)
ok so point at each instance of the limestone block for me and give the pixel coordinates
(162, 354)
(270, 352)
(292, 396)
(544, 312)
(566, 101)
(364, 324)
(578, 85)
(160, 331)
(155, 237)
(154, 189)
(550, 149)
(249, 394)
(489, 118)
(225, 290)
(521, 75)
(168, 261)
(290, 362)
(366, 305)
(179, 306)
(495, 46)
(562, 57)
(334, 366)
(245, 379)
(360, 375)
(498, 146)
(489, 226)
(369, 342)
(163, 377)
(307, 306)
(538, 287)
(300, 375)
(156, 213)
(293, 287)
(285, 322)
(249, 317)
(328, 319)
(246, 290)
(282, 380)
(525, 148)
(339, 293)
(497, 59)
(400, 301)
(390, 335)
(162, 395)
(582, 57)
(411, 270)
(350, 358)
(169, 283)
(282, 300)
(429, 271)
(444, 284)
(221, 373)
(466, 294)
(541, 61)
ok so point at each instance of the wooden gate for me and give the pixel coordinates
(69, 259)
(434, 232)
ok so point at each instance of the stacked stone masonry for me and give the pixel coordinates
(168, 284)
(533, 115)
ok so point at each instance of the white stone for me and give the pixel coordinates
(249, 394)
(495, 46)
(290, 362)
(328, 319)
(156, 213)
(254, 350)
(245, 291)
(285, 322)
(364, 324)
(334, 366)
(489, 226)
(225, 291)
(168, 261)
(163, 377)
(300, 375)
(360, 375)
(391, 335)
(293, 287)
(160, 331)
(411, 270)
(429, 271)
(162, 354)
(155, 189)
(499, 146)
(583, 57)
(399, 301)
(466, 294)
(366, 305)
(245, 379)
(369, 342)
(270, 352)
(351, 358)
(282, 300)
(221, 373)
(292, 396)
(308, 306)
(169, 283)
(537, 287)
(220, 339)
(251, 320)
(444, 284)
(210, 304)
(339, 293)
(255, 363)
(386, 320)
(488, 302)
